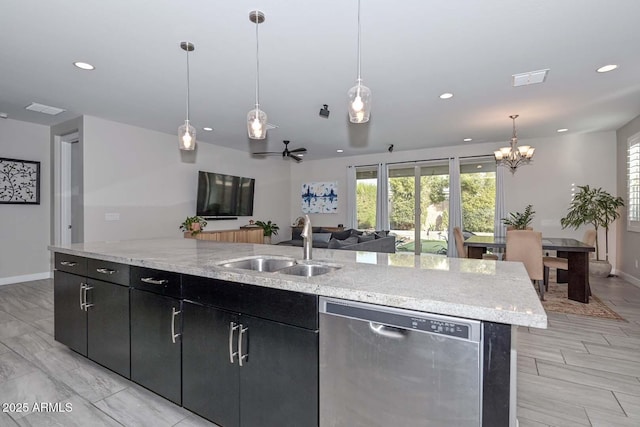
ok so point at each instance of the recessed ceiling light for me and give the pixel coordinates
(339, 151)
(563, 130)
(607, 68)
(446, 95)
(84, 65)
(207, 129)
(467, 139)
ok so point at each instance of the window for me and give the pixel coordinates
(633, 183)
(366, 197)
(478, 187)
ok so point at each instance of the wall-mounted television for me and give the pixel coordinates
(221, 195)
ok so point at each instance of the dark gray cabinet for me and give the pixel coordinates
(92, 316)
(156, 348)
(70, 318)
(243, 370)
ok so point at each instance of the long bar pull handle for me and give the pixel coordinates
(174, 313)
(232, 328)
(153, 281)
(82, 285)
(68, 263)
(241, 356)
(387, 331)
(86, 304)
(105, 270)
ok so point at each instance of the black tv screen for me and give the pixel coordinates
(222, 195)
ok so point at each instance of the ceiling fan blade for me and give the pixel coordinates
(263, 153)
(296, 158)
(298, 150)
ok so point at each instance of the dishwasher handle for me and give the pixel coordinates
(388, 331)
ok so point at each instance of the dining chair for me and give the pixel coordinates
(526, 246)
(589, 238)
(457, 234)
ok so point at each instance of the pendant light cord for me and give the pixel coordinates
(359, 79)
(257, 61)
(188, 83)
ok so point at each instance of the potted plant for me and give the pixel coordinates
(193, 224)
(520, 221)
(597, 207)
(269, 228)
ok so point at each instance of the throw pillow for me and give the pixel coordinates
(381, 234)
(341, 235)
(366, 238)
(321, 237)
(337, 244)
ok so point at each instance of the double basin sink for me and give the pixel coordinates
(281, 265)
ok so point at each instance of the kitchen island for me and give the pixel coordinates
(179, 285)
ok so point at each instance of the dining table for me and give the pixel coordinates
(576, 252)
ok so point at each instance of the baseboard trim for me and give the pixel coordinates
(629, 278)
(25, 278)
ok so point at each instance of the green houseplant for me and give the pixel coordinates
(269, 228)
(193, 224)
(597, 207)
(520, 221)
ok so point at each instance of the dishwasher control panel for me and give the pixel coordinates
(405, 319)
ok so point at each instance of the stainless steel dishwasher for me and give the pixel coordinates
(381, 366)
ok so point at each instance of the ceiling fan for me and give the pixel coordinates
(286, 152)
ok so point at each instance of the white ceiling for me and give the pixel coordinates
(412, 51)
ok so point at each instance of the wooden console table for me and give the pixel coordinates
(243, 235)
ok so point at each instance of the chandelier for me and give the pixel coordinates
(513, 156)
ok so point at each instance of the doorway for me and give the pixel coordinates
(67, 185)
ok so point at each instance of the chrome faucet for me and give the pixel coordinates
(307, 237)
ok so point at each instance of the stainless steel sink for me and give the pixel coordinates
(308, 270)
(261, 263)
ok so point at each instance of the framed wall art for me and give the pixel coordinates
(19, 182)
(320, 197)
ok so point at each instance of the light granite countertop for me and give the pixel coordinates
(495, 291)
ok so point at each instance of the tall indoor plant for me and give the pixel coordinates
(597, 207)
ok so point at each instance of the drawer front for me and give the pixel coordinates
(212, 292)
(293, 308)
(156, 281)
(108, 271)
(71, 264)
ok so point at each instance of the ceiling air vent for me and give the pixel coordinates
(45, 109)
(530, 78)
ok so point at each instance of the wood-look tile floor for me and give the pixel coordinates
(581, 371)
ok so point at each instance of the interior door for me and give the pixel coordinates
(210, 376)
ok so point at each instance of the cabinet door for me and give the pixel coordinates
(279, 376)
(108, 325)
(155, 355)
(70, 318)
(210, 383)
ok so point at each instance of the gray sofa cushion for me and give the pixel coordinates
(321, 237)
(366, 238)
(338, 244)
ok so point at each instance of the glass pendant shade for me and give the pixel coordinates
(359, 103)
(187, 137)
(257, 124)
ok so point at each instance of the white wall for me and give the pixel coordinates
(559, 162)
(141, 175)
(628, 241)
(24, 229)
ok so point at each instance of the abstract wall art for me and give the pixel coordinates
(320, 197)
(19, 182)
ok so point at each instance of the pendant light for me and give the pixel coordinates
(514, 156)
(186, 132)
(359, 95)
(256, 118)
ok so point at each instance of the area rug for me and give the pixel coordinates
(556, 300)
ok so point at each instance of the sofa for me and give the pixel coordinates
(349, 239)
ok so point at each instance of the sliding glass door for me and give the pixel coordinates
(419, 207)
(478, 185)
